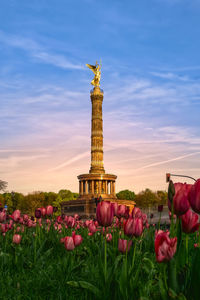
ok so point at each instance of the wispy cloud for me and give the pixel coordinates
(169, 75)
(70, 161)
(38, 51)
(167, 161)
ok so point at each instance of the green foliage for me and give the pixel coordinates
(57, 203)
(126, 195)
(148, 198)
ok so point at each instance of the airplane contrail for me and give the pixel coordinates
(166, 161)
(70, 161)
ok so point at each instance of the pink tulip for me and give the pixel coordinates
(123, 211)
(49, 210)
(76, 217)
(87, 223)
(115, 207)
(180, 199)
(92, 228)
(16, 215)
(59, 219)
(17, 238)
(21, 220)
(25, 218)
(62, 240)
(165, 247)
(133, 227)
(194, 197)
(136, 212)
(124, 245)
(71, 221)
(190, 222)
(2, 216)
(77, 239)
(4, 228)
(104, 213)
(69, 243)
(43, 211)
(109, 237)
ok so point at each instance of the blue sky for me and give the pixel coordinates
(150, 77)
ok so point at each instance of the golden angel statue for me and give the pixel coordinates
(97, 72)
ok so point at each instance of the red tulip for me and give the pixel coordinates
(165, 247)
(17, 238)
(194, 197)
(104, 213)
(49, 210)
(69, 243)
(133, 227)
(38, 213)
(160, 208)
(124, 245)
(16, 215)
(190, 222)
(96, 223)
(180, 199)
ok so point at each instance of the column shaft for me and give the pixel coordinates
(81, 187)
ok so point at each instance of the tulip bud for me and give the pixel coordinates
(171, 191)
(160, 208)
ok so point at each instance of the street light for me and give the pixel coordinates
(168, 176)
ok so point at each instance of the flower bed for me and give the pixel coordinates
(117, 256)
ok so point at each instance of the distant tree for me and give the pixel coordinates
(50, 197)
(34, 200)
(8, 201)
(3, 185)
(163, 197)
(75, 195)
(126, 195)
(146, 198)
(2, 200)
(66, 195)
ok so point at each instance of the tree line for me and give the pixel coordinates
(28, 203)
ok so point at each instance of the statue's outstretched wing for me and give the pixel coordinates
(91, 67)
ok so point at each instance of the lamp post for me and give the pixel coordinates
(168, 176)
